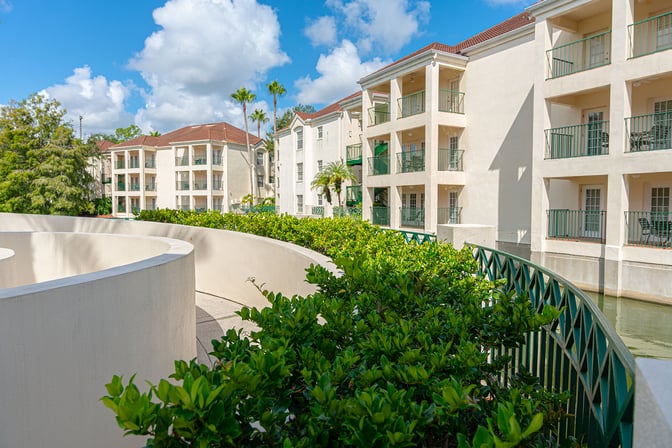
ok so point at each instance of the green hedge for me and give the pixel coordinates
(394, 352)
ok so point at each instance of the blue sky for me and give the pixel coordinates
(162, 64)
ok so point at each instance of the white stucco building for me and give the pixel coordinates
(200, 167)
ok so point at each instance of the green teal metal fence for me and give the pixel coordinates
(412, 104)
(648, 228)
(411, 161)
(649, 132)
(584, 54)
(588, 225)
(650, 35)
(580, 353)
(581, 140)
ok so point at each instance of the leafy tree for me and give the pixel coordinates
(127, 133)
(259, 116)
(333, 176)
(155, 134)
(43, 166)
(243, 96)
(286, 118)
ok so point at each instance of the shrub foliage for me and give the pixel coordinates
(395, 352)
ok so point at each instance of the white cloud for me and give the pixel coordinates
(322, 31)
(5, 6)
(204, 51)
(384, 25)
(99, 101)
(339, 72)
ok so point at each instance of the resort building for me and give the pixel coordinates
(200, 167)
(100, 168)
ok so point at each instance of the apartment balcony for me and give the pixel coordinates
(135, 210)
(184, 207)
(585, 54)
(349, 211)
(134, 163)
(181, 161)
(353, 195)
(150, 187)
(412, 104)
(217, 160)
(378, 114)
(650, 35)
(217, 185)
(182, 185)
(591, 139)
(577, 225)
(353, 154)
(121, 164)
(380, 216)
(121, 208)
(451, 159)
(379, 165)
(451, 101)
(411, 161)
(150, 163)
(649, 132)
(201, 160)
(134, 187)
(121, 186)
(450, 215)
(203, 185)
(413, 217)
(652, 229)
(317, 210)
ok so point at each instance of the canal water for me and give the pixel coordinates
(646, 328)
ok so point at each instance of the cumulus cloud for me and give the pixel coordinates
(322, 31)
(339, 72)
(100, 102)
(384, 25)
(204, 51)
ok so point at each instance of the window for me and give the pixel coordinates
(260, 158)
(271, 179)
(663, 26)
(662, 122)
(299, 139)
(299, 172)
(320, 200)
(453, 210)
(319, 133)
(260, 180)
(319, 166)
(299, 203)
(660, 203)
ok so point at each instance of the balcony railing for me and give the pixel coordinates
(451, 159)
(410, 161)
(182, 185)
(200, 185)
(201, 160)
(648, 228)
(379, 165)
(121, 186)
(353, 195)
(412, 104)
(579, 354)
(121, 164)
(580, 55)
(380, 113)
(650, 35)
(380, 216)
(412, 217)
(354, 154)
(181, 161)
(350, 212)
(451, 101)
(450, 215)
(150, 163)
(135, 187)
(217, 185)
(217, 160)
(185, 207)
(587, 225)
(590, 139)
(150, 187)
(134, 163)
(649, 132)
(121, 208)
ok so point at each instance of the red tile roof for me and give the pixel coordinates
(335, 107)
(104, 145)
(213, 131)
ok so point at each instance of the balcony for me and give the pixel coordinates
(379, 165)
(412, 104)
(353, 195)
(652, 229)
(150, 163)
(121, 186)
(350, 212)
(201, 160)
(591, 139)
(380, 216)
(217, 185)
(580, 55)
(121, 208)
(378, 114)
(578, 225)
(121, 164)
(134, 187)
(203, 185)
(182, 185)
(649, 132)
(184, 207)
(317, 210)
(450, 215)
(451, 159)
(451, 101)
(650, 35)
(217, 160)
(354, 154)
(134, 163)
(150, 187)
(181, 161)
(412, 217)
(410, 161)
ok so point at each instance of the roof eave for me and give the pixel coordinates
(501, 39)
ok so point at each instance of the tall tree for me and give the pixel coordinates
(259, 116)
(276, 89)
(128, 133)
(333, 176)
(243, 96)
(43, 166)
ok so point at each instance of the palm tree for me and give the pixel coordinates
(276, 89)
(333, 176)
(244, 96)
(260, 117)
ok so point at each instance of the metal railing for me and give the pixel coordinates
(379, 113)
(150, 187)
(134, 163)
(580, 55)
(201, 160)
(134, 187)
(589, 225)
(417, 237)
(650, 35)
(121, 186)
(580, 353)
(217, 160)
(354, 154)
(451, 101)
(379, 165)
(121, 208)
(317, 210)
(451, 159)
(185, 207)
(182, 185)
(353, 195)
(412, 104)
(380, 216)
(450, 215)
(411, 161)
(348, 211)
(412, 217)
(581, 140)
(150, 163)
(217, 185)
(121, 164)
(649, 132)
(181, 161)
(203, 185)
(648, 228)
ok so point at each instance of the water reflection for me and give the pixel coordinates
(644, 327)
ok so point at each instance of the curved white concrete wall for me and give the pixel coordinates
(61, 340)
